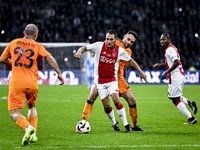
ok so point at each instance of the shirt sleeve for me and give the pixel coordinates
(123, 55)
(172, 54)
(43, 52)
(94, 47)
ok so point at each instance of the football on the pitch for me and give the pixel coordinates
(83, 126)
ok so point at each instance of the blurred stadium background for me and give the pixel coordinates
(86, 21)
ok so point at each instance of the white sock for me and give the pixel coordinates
(122, 114)
(112, 117)
(182, 108)
(184, 100)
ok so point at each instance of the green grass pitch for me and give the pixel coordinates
(60, 108)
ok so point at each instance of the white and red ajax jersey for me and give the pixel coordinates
(106, 61)
(177, 75)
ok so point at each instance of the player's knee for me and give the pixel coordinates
(108, 109)
(13, 115)
(131, 101)
(174, 100)
(117, 103)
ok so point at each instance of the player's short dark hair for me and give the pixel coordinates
(112, 32)
(166, 35)
(133, 33)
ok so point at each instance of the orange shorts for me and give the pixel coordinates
(16, 97)
(123, 85)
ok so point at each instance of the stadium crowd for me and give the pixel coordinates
(88, 20)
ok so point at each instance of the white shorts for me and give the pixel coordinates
(107, 89)
(175, 90)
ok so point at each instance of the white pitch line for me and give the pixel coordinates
(120, 146)
(4, 97)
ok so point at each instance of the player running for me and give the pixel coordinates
(23, 55)
(176, 78)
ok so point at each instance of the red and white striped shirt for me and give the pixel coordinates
(106, 61)
(177, 75)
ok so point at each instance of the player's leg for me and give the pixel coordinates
(192, 104)
(182, 108)
(126, 93)
(110, 113)
(128, 96)
(174, 93)
(103, 93)
(88, 82)
(113, 91)
(121, 111)
(31, 96)
(16, 99)
(89, 104)
(91, 82)
(33, 120)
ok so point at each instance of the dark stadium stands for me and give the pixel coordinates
(77, 20)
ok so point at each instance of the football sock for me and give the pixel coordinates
(87, 110)
(122, 114)
(184, 100)
(110, 114)
(133, 114)
(182, 108)
(33, 122)
(22, 123)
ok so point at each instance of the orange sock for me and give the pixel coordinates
(134, 115)
(33, 121)
(22, 123)
(87, 110)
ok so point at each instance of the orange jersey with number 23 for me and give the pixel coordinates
(24, 54)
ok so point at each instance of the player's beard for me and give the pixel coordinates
(126, 45)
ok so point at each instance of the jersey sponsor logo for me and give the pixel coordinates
(108, 55)
(107, 60)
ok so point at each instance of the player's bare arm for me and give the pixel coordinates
(136, 66)
(6, 61)
(79, 53)
(157, 66)
(176, 63)
(54, 65)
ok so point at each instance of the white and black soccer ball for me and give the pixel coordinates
(83, 126)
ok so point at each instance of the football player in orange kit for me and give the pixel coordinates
(23, 55)
(124, 89)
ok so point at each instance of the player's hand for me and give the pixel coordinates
(164, 75)
(143, 76)
(78, 55)
(157, 66)
(61, 79)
